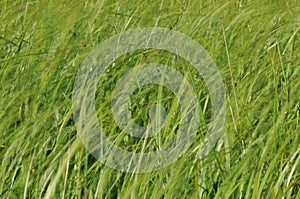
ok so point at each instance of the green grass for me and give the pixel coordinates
(255, 45)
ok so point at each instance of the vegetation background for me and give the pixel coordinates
(254, 43)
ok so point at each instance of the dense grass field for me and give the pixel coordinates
(255, 44)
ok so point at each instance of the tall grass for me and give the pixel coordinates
(255, 45)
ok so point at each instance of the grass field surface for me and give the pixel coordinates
(255, 45)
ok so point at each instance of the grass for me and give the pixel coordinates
(255, 45)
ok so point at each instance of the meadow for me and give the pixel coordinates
(255, 45)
